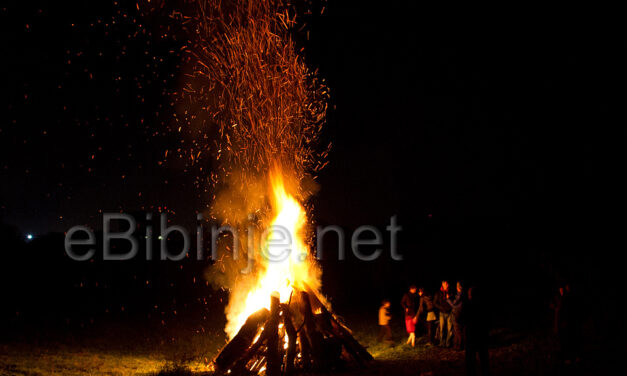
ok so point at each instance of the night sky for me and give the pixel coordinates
(492, 134)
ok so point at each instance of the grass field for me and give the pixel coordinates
(117, 350)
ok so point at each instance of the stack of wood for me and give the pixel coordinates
(300, 335)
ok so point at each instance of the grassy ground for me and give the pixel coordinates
(131, 351)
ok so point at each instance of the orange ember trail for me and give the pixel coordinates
(252, 104)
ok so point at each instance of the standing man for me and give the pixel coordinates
(446, 317)
(456, 306)
(410, 306)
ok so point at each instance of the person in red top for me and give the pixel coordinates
(410, 306)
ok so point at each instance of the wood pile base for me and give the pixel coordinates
(301, 335)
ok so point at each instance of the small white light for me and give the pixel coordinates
(29, 236)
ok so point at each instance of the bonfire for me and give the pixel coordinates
(248, 87)
(287, 326)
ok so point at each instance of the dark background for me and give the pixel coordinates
(495, 135)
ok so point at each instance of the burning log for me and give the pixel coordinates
(253, 353)
(305, 349)
(237, 347)
(356, 350)
(291, 334)
(272, 330)
(315, 337)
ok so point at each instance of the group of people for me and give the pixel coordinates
(449, 318)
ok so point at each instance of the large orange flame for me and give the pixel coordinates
(286, 262)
